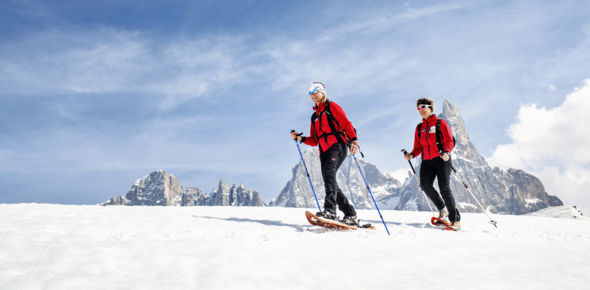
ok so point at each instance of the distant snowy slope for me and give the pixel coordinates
(57, 247)
(566, 211)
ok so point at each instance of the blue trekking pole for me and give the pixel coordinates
(308, 178)
(357, 164)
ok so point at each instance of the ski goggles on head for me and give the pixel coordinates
(420, 107)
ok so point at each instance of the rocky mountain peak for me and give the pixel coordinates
(157, 188)
(223, 187)
(451, 114)
(162, 188)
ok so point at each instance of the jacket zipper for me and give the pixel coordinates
(427, 137)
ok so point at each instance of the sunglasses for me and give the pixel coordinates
(314, 91)
(423, 106)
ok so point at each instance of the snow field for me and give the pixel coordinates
(90, 247)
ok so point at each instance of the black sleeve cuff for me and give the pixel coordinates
(302, 140)
(354, 139)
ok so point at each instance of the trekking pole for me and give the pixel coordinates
(466, 187)
(412, 166)
(357, 164)
(308, 178)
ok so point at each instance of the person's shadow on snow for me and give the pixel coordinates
(414, 225)
(264, 222)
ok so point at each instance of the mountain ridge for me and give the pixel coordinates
(160, 188)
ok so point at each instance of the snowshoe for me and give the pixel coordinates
(333, 224)
(439, 223)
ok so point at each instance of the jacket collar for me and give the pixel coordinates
(431, 118)
(321, 106)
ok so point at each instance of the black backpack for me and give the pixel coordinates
(331, 122)
(438, 136)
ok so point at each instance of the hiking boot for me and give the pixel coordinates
(443, 214)
(326, 214)
(456, 226)
(350, 221)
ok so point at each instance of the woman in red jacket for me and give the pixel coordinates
(332, 131)
(434, 162)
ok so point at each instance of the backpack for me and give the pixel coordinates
(438, 136)
(331, 121)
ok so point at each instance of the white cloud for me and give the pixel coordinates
(553, 145)
(552, 88)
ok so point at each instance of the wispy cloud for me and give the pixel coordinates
(114, 61)
(386, 21)
(203, 67)
(573, 60)
(97, 62)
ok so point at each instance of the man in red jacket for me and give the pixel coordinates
(434, 162)
(332, 131)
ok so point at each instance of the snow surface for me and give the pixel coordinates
(120, 247)
(564, 212)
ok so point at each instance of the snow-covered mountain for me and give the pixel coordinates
(162, 188)
(223, 196)
(157, 188)
(512, 192)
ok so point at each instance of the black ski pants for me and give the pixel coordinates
(438, 168)
(331, 161)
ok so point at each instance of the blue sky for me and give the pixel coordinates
(94, 95)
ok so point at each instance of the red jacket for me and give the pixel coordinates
(321, 127)
(427, 143)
